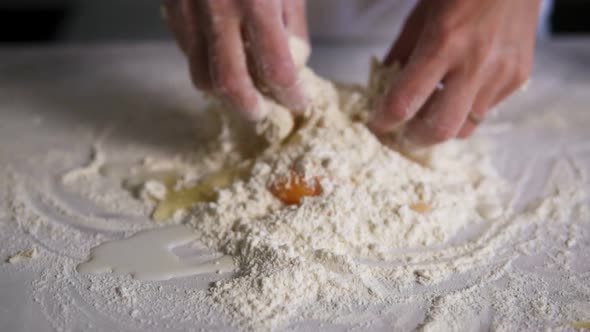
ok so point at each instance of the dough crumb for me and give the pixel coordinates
(22, 256)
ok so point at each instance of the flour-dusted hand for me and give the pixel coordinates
(481, 51)
(239, 48)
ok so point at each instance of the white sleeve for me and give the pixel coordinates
(357, 19)
(375, 20)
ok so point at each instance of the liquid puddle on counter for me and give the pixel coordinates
(149, 256)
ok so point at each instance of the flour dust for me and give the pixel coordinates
(327, 228)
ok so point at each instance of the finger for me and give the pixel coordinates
(294, 18)
(482, 105)
(505, 78)
(444, 114)
(517, 82)
(199, 67)
(188, 24)
(407, 39)
(497, 79)
(409, 91)
(228, 69)
(268, 39)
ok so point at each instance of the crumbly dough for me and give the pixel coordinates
(372, 201)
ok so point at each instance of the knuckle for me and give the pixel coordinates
(448, 36)
(482, 50)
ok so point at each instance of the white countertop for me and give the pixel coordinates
(56, 102)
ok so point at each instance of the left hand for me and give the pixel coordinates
(481, 51)
(239, 49)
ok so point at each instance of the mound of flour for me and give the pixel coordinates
(374, 203)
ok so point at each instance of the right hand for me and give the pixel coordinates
(236, 48)
(482, 50)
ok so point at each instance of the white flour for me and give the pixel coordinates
(374, 202)
(291, 256)
(389, 244)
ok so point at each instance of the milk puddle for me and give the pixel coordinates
(149, 256)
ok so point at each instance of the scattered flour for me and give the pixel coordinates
(292, 256)
(393, 241)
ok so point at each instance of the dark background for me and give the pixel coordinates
(571, 17)
(26, 21)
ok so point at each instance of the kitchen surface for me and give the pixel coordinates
(77, 118)
(53, 117)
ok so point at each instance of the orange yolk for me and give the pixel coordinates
(292, 189)
(420, 207)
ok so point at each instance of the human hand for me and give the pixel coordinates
(236, 49)
(481, 51)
